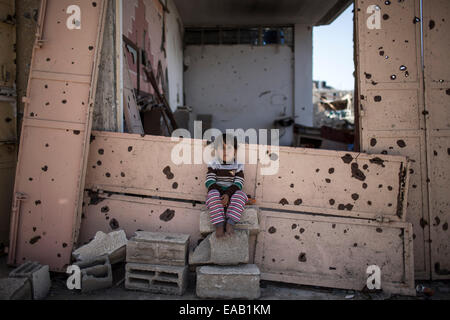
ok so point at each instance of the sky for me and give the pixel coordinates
(333, 52)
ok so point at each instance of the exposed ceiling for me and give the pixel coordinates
(259, 12)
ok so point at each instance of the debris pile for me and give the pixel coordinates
(96, 258)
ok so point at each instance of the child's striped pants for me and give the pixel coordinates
(234, 210)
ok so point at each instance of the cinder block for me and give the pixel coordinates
(228, 250)
(38, 275)
(15, 289)
(249, 221)
(96, 274)
(156, 278)
(228, 282)
(111, 244)
(158, 248)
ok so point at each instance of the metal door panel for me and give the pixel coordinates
(437, 103)
(389, 114)
(58, 100)
(134, 164)
(391, 46)
(327, 182)
(334, 252)
(51, 185)
(109, 212)
(52, 155)
(394, 107)
(413, 147)
(68, 51)
(439, 205)
(436, 41)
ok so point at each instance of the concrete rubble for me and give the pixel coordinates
(157, 262)
(249, 221)
(112, 244)
(38, 275)
(96, 274)
(231, 282)
(15, 289)
(228, 250)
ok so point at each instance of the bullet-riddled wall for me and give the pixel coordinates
(401, 115)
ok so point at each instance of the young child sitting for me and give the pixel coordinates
(225, 180)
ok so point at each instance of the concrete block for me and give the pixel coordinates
(15, 289)
(249, 221)
(228, 250)
(156, 278)
(112, 244)
(228, 282)
(158, 248)
(96, 274)
(38, 275)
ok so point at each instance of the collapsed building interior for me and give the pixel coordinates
(86, 120)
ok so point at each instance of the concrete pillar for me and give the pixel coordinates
(303, 106)
(105, 107)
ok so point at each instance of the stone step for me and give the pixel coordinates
(227, 250)
(228, 282)
(158, 248)
(156, 278)
(249, 221)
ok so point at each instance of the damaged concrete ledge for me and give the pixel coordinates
(112, 244)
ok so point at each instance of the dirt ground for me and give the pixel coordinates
(269, 290)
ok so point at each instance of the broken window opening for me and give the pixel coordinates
(260, 35)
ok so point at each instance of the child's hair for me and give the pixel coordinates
(225, 138)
